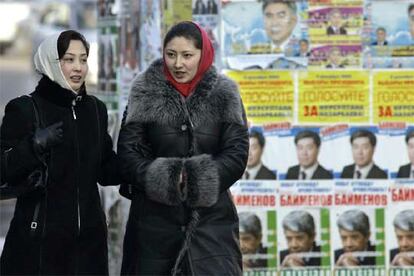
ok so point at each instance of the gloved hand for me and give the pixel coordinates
(45, 138)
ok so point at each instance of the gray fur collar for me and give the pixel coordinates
(153, 99)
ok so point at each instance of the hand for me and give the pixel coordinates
(293, 260)
(402, 259)
(347, 259)
(46, 138)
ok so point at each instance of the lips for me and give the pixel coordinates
(179, 74)
(76, 78)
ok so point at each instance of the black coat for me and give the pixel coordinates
(206, 136)
(64, 242)
(374, 173)
(265, 173)
(330, 31)
(404, 171)
(320, 173)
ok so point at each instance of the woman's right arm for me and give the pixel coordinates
(18, 158)
(156, 177)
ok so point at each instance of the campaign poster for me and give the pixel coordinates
(304, 227)
(174, 11)
(358, 227)
(333, 97)
(356, 152)
(207, 14)
(335, 34)
(256, 204)
(268, 96)
(264, 35)
(390, 31)
(401, 140)
(400, 230)
(393, 96)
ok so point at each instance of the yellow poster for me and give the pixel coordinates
(268, 96)
(175, 11)
(333, 97)
(393, 96)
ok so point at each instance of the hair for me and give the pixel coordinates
(304, 40)
(409, 135)
(64, 41)
(308, 134)
(410, 8)
(250, 223)
(259, 136)
(299, 221)
(381, 29)
(364, 133)
(354, 220)
(186, 29)
(404, 220)
(291, 4)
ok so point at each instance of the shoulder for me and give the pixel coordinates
(22, 104)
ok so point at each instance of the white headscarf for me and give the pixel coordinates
(46, 61)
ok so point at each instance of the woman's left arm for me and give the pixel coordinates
(209, 175)
(109, 169)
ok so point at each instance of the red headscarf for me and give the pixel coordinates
(206, 60)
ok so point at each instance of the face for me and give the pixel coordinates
(405, 240)
(255, 152)
(353, 240)
(74, 64)
(249, 243)
(279, 22)
(410, 149)
(362, 151)
(336, 19)
(381, 36)
(307, 152)
(411, 19)
(182, 59)
(335, 57)
(298, 241)
(304, 47)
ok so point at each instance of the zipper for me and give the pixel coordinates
(77, 181)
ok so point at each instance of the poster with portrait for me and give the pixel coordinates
(357, 152)
(304, 227)
(335, 34)
(150, 23)
(400, 230)
(390, 34)
(264, 35)
(256, 203)
(358, 226)
(174, 12)
(207, 14)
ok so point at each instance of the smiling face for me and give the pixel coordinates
(405, 240)
(255, 152)
(182, 59)
(279, 22)
(74, 64)
(381, 35)
(353, 240)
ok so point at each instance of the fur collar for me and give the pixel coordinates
(154, 99)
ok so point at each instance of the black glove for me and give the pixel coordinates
(46, 138)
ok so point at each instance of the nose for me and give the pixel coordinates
(77, 66)
(178, 62)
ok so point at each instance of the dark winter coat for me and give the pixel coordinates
(71, 237)
(206, 136)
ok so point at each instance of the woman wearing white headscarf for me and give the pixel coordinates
(60, 229)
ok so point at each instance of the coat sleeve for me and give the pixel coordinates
(156, 177)
(209, 175)
(109, 170)
(18, 158)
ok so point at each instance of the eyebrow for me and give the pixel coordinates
(84, 54)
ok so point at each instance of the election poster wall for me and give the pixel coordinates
(256, 203)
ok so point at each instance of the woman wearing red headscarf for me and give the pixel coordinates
(183, 143)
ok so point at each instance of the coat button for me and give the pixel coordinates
(183, 127)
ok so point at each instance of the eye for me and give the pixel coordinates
(84, 61)
(170, 55)
(188, 55)
(68, 59)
